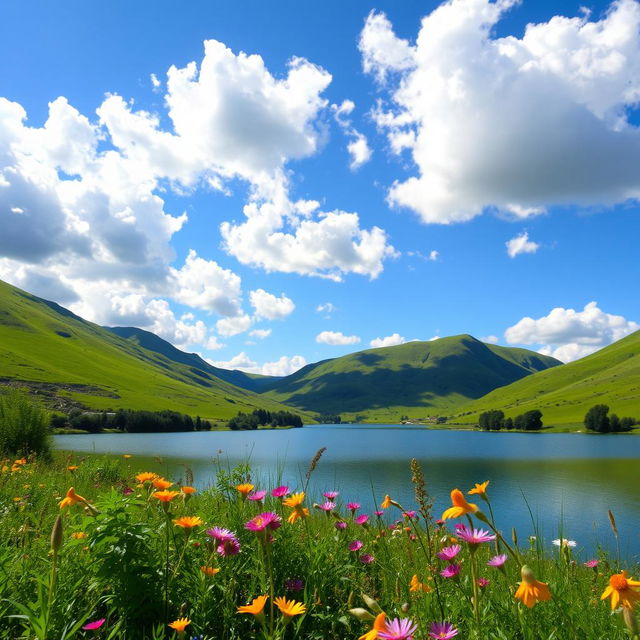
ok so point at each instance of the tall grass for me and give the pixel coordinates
(24, 428)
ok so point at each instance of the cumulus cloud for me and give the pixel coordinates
(270, 307)
(284, 366)
(568, 334)
(358, 145)
(490, 339)
(336, 338)
(228, 327)
(260, 333)
(571, 75)
(388, 341)
(521, 244)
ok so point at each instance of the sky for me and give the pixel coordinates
(270, 184)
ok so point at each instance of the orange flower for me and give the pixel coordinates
(188, 490)
(187, 522)
(72, 467)
(245, 488)
(460, 506)
(378, 625)
(126, 456)
(146, 476)
(21, 461)
(531, 590)
(161, 483)
(479, 489)
(72, 498)
(209, 571)
(180, 624)
(386, 503)
(165, 496)
(621, 591)
(416, 585)
(289, 608)
(256, 607)
(78, 535)
(295, 502)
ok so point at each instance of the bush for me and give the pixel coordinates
(529, 421)
(24, 427)
(597, 418)
(492, 419)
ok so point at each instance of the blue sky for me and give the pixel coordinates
(219, 205)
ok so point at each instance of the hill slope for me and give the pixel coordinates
(610, 376)
(416, 379)
(67, 359)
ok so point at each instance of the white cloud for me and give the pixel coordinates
(568, 334)
(388, 341)
(284, 366)
(490, 339)
(213, 344)
(359, 150)
(568, 75)
(228, 327)
(270, 307)
(521, 244)
(155, 83)
(336, 338)
(326, 307)
(260, 333)
(434, 255)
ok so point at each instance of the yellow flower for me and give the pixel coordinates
(386, 503)
(17, 499)
(165, 496)
(188, 490)
(416, 585)
(146, 476)
(531, 590)
(180, 624)
(479, 489)
(187, 522)
(245, 488)
(21, 461)
(256, 607)
(621, 592)
(289, 608)
(161, 483)
(72, 498)
(209, 571)
(295, 502)
(460, 506)
(126, 456)
(78, 535)
(378, 625)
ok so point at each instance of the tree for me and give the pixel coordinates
(492, 419)
(508, 423)
(597, 419)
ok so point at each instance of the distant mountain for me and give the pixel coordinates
(415, 379)
(68, 360)
(609, 376)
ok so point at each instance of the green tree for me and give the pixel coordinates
(597, 419)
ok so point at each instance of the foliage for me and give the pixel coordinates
(597, 419)
(23, 425)
(261, 417)
(529, 421)
(491, 420)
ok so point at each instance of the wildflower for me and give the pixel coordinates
(621, 591)
(482, 582)
(327, 506)
(362, 519)
(289, 608)
(378, 513)
(245, 489)
(473, 537)
(367, 558)
(340, 526)
(72, 467)
(531, 590)
(442, 631)
(209, 571)
(188, 490)
(479, 489)
(386, 503)
(257, 496)
(294, 584)
(451, 571)
(416, 585)
(460, 506)
(72, 498)
(280, 492)
(180, 624)
(188, 522)
(256, 607)
(146, 476)
(378, 625)
(397, 629)
(353, 506)
(592, 564)
(410, 514)
(127, 491)
(356, 545)
(498, 561)
(449, 553)
(331, 495)
(161, 484)
(564, 543)
(228, 543)
(96, 624)
(165, 496)
(268, 519)
(126, 456)
(78, 535)
(295, 502)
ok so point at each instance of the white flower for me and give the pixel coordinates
(563, 542)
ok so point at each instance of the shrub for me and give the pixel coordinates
(24, 426)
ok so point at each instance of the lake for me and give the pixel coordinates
(569, 480)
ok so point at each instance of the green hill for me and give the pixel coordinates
(610, 376)
(416, 379)
(68, 360)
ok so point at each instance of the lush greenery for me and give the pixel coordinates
(564, 394)
(124, 560)
(23, 426)
(262, 417)
(598, 419)
(494, 420)
(416, 379)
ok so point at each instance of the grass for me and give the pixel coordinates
(125, 561)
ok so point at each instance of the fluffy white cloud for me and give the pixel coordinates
(490, 339)
(335, 338)
(358, 145)
(270, 307)
(284, 366)
(388, 341)
(326, 307)
(570, 75)
(228, 327)
(260, 333)
(568, 334)
(521, 244)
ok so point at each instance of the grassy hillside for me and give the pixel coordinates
(564, 394)
(416, 379)
(65, 358)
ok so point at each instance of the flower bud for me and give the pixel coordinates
(371, 603)
(361, 614)
(514, 536)
(405, 607)
(56, 535)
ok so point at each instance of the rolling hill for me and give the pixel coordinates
(415, 379)
(564, 394)
(68, 360)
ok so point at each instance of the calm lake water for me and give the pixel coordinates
(568, 480)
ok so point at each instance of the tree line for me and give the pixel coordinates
(598, 419)
(494, 420)
(262, 417)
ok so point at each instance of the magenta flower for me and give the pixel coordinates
(449, 553)
(264, 520)
(498, 561)
(228, 543)
(379, 513)
(366, 558)
(96, 624)
(353, 506)
(257, 496)
(362, 519)
(451, 571)
(482, 582)
(473, 536)
(592, 564)
(280, 492)
(442, 631)
(340, 525)
(397, 629)
(327, 506)
(331, 495)
(127, 491)
(410, 514)
(356, 545)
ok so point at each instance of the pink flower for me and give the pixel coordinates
(439, 523)
(398, 629)
(366, 558)
(410, 514)
(264, 520)
(228, 543)
(280, 492)
(442, 631)
(257, 496)
(340, 525)
(362, 519)
(330, 495)
(449, 553)
(379, 513)
(592, 564)
(96, 624)
(353, 506)
(127, 491)
(473, 536)
(356, 545)
(327, 506)
(482, 582)
(451, 571)
(498, 561)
